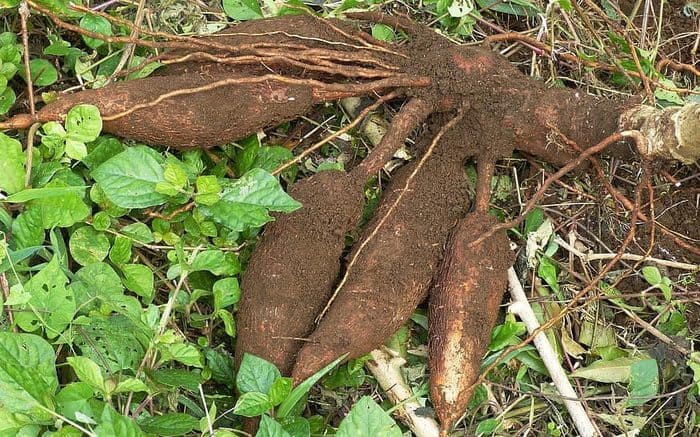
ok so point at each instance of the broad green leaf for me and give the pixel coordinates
(216, 262)
(88, 246)
(177, 378)
(52, 305)
(11, 165)
(255, 375)
(652, 275)
(547, 270)
(302, 389)
(229, 323)
(75, 397)
(279, 391)
(185, 353)
(113, 340)
(60, 210)
(83, 123)
(367, 419)
(382, 32)
(506, 334)
(169, 424)
(221, 366)
(130, 385)
(44, 193)
(27, 374)
(245, 202)
(242, 10)
(113, 424)
(129, 179)
(617, 370)
(269, 427)
(487, 427)
(139, 279)
(27, 231)
(644, 382)
(121, 248)
(42, 71)
(94, 283)
(138, 232)
(7, 99)
(226, 292)
(296, 426)
(252, 404)
(87, 371)
(96, 24)
(512, 7)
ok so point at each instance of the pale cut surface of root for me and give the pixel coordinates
(671, 133)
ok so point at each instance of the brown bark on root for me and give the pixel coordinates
(394, 270)
(463, 307)
(280, 303)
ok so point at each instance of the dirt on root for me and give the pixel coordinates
(291, 272)
(394, 270)
(463, 309)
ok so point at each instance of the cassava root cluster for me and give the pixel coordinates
(297, 309)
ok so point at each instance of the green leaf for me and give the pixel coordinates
(255, 375)
(216, 262)
(297, 426)
(74, 398)
(96, 24)
(130, 385)
(221, 366)
(113, 424)
(208, 189)
(302, 389)
(138, 232)
(367, 419)
(58, 204)
(52, 305)
(242, 10)
(506, 334)
(617, 370)
(279, 391)
(83, 123)
(185, 353)
(226, 292)
(252, 404)
(652, 275)
(88, 246)
(121, 249)
(113, 340)
(511, 7)
(547, 270)
(382, 32)
(229, 322)
(174, 174)
(644, 382)
(169, 424)
(177, 378)
(43, 73)
(11, 165)
(533, 221)
(245, 202)
(269, 427)
(139, 279)
(88, 371)
(7, 99)
(487, 427)
(129, 179)
(27, 374)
